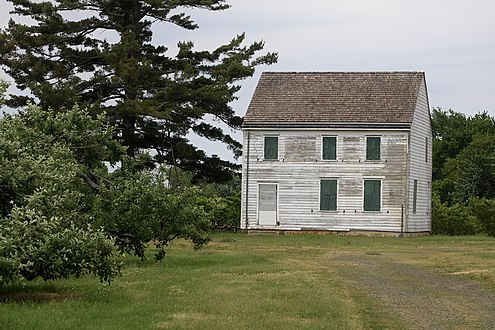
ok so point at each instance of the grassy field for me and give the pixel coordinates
(271, 282)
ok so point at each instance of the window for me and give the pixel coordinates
(271, 147)
(329, 148)
(415, 195)
(373, 148)
(426, 150)
(372, 195)
(328, 195)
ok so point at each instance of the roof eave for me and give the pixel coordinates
(305, 125)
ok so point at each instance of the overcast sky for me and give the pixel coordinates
(452, 41)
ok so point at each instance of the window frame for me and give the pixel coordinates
(335, 138)
(370, 151)
(415, 196)
(380, 195)
(333, 208)
(426, 149)
(270, 137)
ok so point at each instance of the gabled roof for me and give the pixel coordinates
(334, 99)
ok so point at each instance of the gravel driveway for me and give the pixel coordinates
(419, 298)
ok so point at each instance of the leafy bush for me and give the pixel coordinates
(32, 245)
(45, 223)
(227, 212)
(56, 190)
(484, 210)
(140, 208)
(227, 199)
(453, 220)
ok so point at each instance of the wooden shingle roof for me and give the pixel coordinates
(292, 99)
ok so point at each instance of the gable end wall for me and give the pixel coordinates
(420, 166)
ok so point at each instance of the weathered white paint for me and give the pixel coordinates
(299, 170)
(420, 166)
(405, 157)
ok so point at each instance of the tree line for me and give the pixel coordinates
(463, 173)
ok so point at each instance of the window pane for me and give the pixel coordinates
(329, 147)
(271, 147)
(372, 195)
(373, 148)
(328, 195)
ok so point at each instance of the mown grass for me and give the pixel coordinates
(243, 282)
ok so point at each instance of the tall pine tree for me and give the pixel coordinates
(63, 58)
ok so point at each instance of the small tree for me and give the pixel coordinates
(139, 208)
(62, 211)
(48, 164)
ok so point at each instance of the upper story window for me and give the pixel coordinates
(372, 195)
(329, 148)
(373, 147)
(271, 148)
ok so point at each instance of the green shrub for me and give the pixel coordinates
(484, 210)
(32, 245)
(140, 208)
(453, 220)
(227, 212)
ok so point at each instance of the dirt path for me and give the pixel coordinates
(420, 298)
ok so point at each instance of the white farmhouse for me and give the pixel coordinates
(338, 151)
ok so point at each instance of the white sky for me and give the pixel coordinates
(452, 41)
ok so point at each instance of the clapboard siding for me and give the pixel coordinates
(420, 167)
(300, 168)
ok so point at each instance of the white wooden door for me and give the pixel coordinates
(267, 204)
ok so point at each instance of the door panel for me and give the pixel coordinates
(267, 204)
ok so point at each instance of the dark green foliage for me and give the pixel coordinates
(227, 199)
(484, 211)
(106, 61)
(453, 132)
(451, 220)
(463, 172)
(227, 212)
(471, 173)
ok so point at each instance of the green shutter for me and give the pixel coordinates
(373, 148)
(328, 195)
(415, 195)
(372, 195)
(271, 147)
(329, 147)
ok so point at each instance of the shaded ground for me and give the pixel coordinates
(38, 297)
(418, 297)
